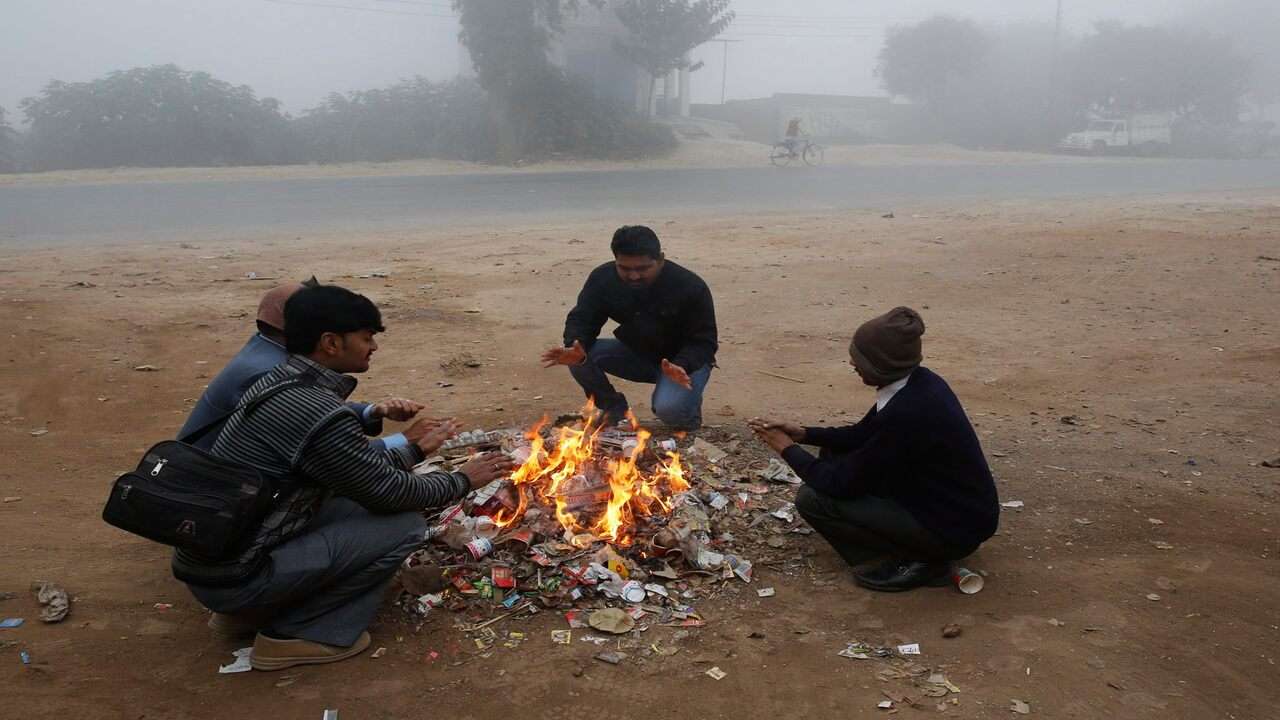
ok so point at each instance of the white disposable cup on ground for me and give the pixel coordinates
(633, 592)
(967, 581)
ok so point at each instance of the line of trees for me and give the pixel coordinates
(1023, 86)
(520, 106)
(164, 116)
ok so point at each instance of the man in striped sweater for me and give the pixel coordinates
(348, 513)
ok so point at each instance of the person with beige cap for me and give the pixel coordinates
(264, 351)
(908, 484)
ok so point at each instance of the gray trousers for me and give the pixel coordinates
(868, 528)
(327, 584)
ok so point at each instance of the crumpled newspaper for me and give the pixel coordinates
(780, 472)
(54, 599)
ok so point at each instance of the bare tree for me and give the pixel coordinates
(662, 32)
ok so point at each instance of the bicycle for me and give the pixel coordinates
(805, 150)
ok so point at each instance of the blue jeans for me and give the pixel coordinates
(673, 404)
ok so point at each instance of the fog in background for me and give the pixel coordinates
(300, 50)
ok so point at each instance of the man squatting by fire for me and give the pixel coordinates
(908, 484)
(312, 577)
(666, 334)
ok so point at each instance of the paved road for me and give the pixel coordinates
(154, 211)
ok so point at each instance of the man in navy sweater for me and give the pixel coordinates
(909, 482)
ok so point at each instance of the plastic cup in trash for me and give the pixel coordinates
(967, 581)
(633, 592)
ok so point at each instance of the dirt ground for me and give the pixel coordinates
(1118, 358)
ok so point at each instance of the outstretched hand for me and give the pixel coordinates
(776, 438)
(572, 355)
(777, 435)
(430, 433)
(793, 431)
(484, 469)
(397, 409)
(676, 374)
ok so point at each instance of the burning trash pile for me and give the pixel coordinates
(594, 517)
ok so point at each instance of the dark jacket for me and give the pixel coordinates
(920, 452)
(673, 319)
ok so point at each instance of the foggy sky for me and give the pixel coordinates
(299, 53)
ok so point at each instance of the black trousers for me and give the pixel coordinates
(869, 528)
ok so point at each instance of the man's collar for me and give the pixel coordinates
(341, 385)
(886, 393)
(267, 338)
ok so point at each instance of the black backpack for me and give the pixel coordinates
(182, 496)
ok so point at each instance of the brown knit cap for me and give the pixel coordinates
(887, 348)
(271, 308)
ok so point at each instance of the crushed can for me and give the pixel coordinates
(479, 547)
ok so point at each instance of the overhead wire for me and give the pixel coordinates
(357, 8)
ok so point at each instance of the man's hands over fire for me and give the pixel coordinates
(777, 435)
(430, 433)
(676, 374)
(398, 409)
(487, 467)
(572, 355)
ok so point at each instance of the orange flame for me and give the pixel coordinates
(549, 474)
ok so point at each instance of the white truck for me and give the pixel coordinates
(1142, 134)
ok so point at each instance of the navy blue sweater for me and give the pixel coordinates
(920, 452)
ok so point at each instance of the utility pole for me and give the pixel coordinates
(724, 66)
(1054, 62)
(1057, 46)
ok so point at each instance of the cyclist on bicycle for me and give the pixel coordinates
(792, 137)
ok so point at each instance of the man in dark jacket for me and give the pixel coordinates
(311, 577)
(909, 481)
(666, 332)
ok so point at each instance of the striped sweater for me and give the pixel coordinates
(308, 439)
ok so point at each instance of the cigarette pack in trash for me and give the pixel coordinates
(503, 577)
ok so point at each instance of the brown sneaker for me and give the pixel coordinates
(271, 654)
(226, 626)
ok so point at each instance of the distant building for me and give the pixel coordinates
(828, 118)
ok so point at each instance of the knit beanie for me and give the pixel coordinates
(887, 348)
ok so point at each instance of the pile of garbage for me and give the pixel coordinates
(505, 551)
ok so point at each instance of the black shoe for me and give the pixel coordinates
(899, 576)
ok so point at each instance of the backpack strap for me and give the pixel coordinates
(303, 380)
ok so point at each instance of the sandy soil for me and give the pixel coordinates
(1148, 325)
(704, 153)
